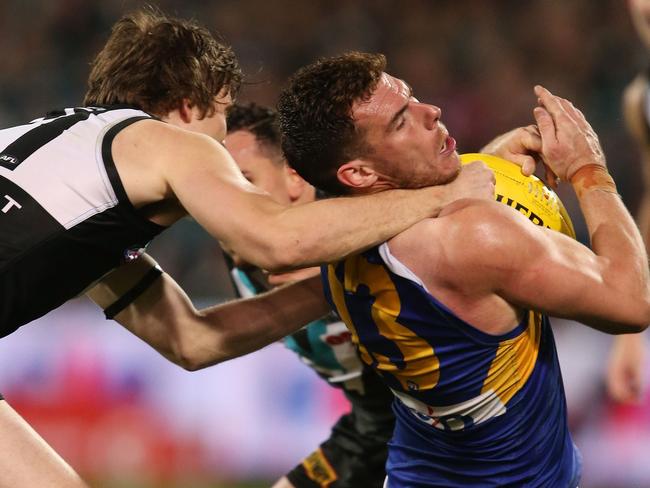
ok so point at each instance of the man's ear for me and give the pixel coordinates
(295, 184)
(185, 110)
(357, 174)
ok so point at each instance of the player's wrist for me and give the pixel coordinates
(592, 177)
(437, 198)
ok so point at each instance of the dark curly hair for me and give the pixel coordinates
(260, 121)
(153, 62)
(318, 133)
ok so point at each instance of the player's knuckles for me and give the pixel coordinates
(476, 175)
(533, 142)
(552, 104)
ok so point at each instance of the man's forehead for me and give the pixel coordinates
(390, 91)
(395, 85)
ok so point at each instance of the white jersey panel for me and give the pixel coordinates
(47, 179)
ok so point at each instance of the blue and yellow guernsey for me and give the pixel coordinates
(473, 409)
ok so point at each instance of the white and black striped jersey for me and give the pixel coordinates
(65, 219)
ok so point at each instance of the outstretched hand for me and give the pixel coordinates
(568, 140)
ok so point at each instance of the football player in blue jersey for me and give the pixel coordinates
(453, 313)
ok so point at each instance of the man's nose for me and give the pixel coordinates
(431, 115)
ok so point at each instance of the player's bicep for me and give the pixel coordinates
(210, 186)
(502, 252)
(552, 273)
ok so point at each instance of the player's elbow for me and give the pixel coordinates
(643, 314)
(641, 308)
(195, 360)
(276, 252)
(637, 317)
(194, 354)
(629, 293)
(186, 357)
(630, 327)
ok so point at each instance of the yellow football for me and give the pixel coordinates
(526, 194)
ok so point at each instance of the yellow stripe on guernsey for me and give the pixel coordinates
(514, 361)
(338, 297)
(319, 469)
(421, 366)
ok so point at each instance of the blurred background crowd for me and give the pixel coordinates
(121, 414)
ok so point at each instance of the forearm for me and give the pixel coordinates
(329, 230)
(616, 240)
(164, 317)
(282, 238)
(626, 367)
(615, 236)
(248, 325)
(156, 315)
(610, 289)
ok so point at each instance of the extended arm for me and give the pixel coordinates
(164, 317)
(202, 176)
(606, 288)
(540, 269)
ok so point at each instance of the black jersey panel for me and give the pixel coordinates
(64, 265)
(23, 221)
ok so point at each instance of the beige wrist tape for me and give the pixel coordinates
(593, 177)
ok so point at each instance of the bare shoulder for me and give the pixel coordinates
(475, 235)
(156, 160)
(487, 228)
(429, 228)
(464, 219)
(174, 152)
(160, 140)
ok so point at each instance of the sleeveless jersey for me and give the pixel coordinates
(472, 409)
(65, 217)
